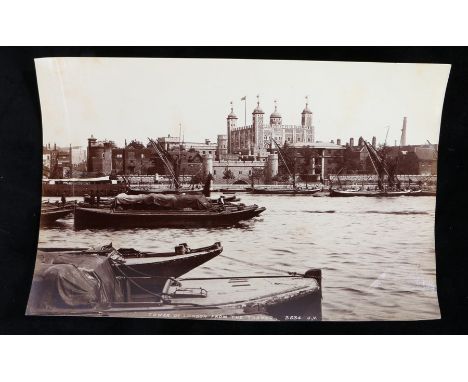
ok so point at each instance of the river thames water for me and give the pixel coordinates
(376, 254)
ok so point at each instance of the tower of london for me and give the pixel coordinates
(259, 137)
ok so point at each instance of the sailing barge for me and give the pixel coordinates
(388, 184)
(156, 210)
(290, 191)
(90, 284)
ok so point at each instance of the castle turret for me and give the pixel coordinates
(306, 115)
(231, 124)
(271, 167)
(306, 119)
(222, 145)
(257, 122)
(275, 117)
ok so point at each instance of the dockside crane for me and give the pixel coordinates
(164, 156)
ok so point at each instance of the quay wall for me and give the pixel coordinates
(82, 189)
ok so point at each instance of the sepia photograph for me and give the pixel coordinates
(238, 189)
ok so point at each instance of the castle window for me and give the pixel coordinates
(214, 172)
(240, 172)
(103, 155)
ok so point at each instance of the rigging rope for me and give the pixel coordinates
(256, 265)
(284, 161)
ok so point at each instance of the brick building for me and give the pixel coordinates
(57, 162)
(99, 157)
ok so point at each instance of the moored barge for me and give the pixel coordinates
(155, 210)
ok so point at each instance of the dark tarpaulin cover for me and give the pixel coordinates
(64, 281)
(159, 201)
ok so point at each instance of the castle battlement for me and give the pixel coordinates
(242, 128)
(264, 126)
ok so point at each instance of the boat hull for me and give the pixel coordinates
(49, 217)
(107, 218)
(285, 298)
(284, 192)
(338, 193)
(164, 192)
(152, 273)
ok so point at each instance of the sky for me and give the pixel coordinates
(137, 98)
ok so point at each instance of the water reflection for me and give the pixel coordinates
(377, 255)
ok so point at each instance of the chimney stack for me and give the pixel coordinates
(332, 141)
(351, 142)
(361, 141)
(338, 142)
(374, 142)
(403, 133)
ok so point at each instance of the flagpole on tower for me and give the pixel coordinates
(244, 98)
(245, 111)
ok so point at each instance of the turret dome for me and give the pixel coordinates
(275, 114)
(306, 109)
(232, 115)
(258, 109)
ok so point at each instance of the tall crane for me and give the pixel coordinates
(163, 155)
(386, 135)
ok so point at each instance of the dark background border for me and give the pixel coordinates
(20, 190)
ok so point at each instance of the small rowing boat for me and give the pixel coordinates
(50, 212)
(154, 268)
